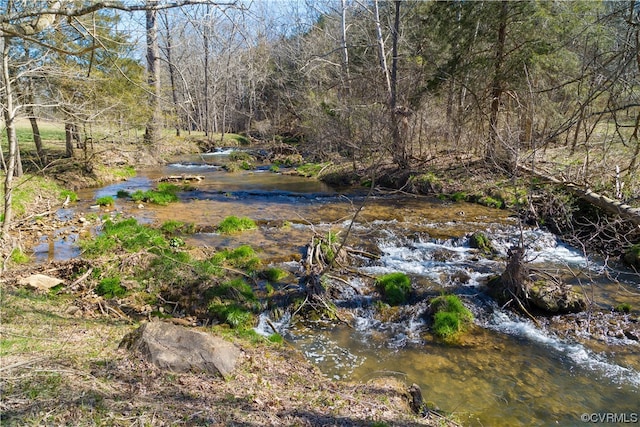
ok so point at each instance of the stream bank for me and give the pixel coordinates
(429, 240)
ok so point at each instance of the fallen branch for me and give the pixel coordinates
(608, 205)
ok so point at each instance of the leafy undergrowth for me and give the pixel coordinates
(61, 366)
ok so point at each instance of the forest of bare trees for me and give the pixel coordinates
(366, 80)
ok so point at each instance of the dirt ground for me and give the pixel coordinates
(62, 366)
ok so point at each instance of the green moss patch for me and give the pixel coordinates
(234, 224)
(394, 287)
(450, 317)
(163, 195)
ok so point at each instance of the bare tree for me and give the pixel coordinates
(153, 70)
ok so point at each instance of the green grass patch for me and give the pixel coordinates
(172, 227)
(234, 224)
(125, 172)
(451, 317)
(126, 235)
(624, 307)
(110, 287)
(233, 314)
(105, 201)
(243, 257)
(19, 257)
(276, 338)
(491, 202)
(458, 196)
(237, 288)
(73, 197)
(394, 287)
(274, 275)
(48, 132)
(310, 170)
(163, 195)
(28, 188)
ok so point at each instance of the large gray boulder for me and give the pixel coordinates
(181, 349)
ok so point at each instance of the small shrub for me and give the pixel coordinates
(394, 287)
(274, 168)
(327, 245)
(105, 201)
(110, 287)
(176, 242)
(123, 194)
(233, 224)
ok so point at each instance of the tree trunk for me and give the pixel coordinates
(381, 51)
(205, 40)
(497, 86)
(12, 139)
(399, 147)
(172, 73)
(152, 132)
(346, 78)
(68, 140)
(636, 153)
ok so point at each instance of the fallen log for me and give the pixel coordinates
(608, 205)
(174, 178)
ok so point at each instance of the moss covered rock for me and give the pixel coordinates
(554, 298)
(480, 241)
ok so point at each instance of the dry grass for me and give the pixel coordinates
(60, 368)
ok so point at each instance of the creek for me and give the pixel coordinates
(506, 371)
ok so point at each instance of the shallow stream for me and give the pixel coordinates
(507, 371)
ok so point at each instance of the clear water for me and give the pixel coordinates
(506, 372)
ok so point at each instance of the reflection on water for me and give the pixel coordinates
(506, 372)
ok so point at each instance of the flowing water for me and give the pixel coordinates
(507, 371)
